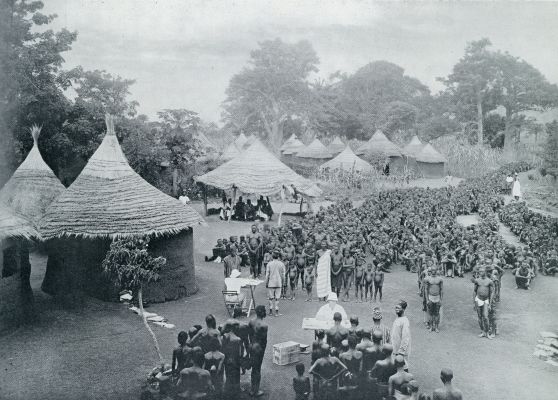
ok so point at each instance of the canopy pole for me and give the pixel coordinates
(233, 203)
(205, 198)
(282, 204)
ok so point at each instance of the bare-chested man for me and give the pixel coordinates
(359, 279)
(482, 297)
(434, 286)
(397, 380)
(258, 342)
(336, 270)
(378, 282)
(348, 273)
(448, 392)
(368, 281)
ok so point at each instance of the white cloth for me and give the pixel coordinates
(516, 189)
(184, 199)
(325, 313)
(323, 281)
(401, 337)
(233, 284)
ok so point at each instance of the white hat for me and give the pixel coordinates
(235, 273)
(332, 297)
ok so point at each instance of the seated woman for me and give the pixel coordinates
(240, 210)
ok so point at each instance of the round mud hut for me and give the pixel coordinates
(107, 201)
(380, 145)
(23, 202)
(430, 162)
(336, 146)
(312, 155)
(347, 161)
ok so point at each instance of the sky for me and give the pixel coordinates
(182, 54)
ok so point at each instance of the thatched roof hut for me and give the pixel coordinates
(110, 200)
(379, 144)
(315, 150)
(231, 152)
(413, 148)
(14, 226)
(33, 186)
(257, 171)
(347, 161)
(292, 148)
(241, 141)
(336, 146)
(290, 140)
(430, 162)
(204, 140)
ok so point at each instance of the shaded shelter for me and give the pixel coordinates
(348, 161)
(380, 145)
(430, 162)
(257, 171)
(23, 201)
(336, 146)
(109, 200)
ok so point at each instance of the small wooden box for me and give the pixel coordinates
(286, 353)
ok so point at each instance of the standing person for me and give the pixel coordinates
(231, 262)
(378, 282)
(195, 382)
(258, 342)
(434, 293)
(205, 335)
(401, 333)
(254, 253)
(448, 392)
(301, 383)
(232, 349)
(516, 188)
(378, 326)
(399, 379)
(274, 276)
(214, 360)
(348, 273)
(482, 297)
(336, 269)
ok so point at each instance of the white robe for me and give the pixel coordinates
(516, 189)
(325, 313)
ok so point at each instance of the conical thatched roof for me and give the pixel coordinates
(12, 225)
(257, 171)
(241, 141)
(413, 147)
(347, 161)
(336, 146)
(250, 140)
(288, 142)
(205, 142)
(429, 154)
(379, 144)
(316, 150)
(108, 199)
(231, 152)
(294, 147)
(32, 187)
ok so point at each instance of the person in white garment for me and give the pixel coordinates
(326, 312)
(401, 333)
(516, 188)
(234, 284)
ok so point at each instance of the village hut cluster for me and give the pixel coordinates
(107, 201)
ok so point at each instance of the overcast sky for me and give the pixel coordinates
(183, 53)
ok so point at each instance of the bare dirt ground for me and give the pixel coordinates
(540, 193)
(101, 350)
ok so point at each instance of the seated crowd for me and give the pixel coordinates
(246, 211)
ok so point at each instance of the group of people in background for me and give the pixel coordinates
(246, 211)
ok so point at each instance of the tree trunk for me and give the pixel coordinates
(155, 341)
(509, 134)
(480, 128)
(175, 182)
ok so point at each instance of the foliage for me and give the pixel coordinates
(273, 88)
(129, 264)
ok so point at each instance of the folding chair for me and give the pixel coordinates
(232, 300)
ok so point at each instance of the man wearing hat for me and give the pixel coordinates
(326, 312)
(233, 284)
(401, 333)
(378, 326)
(274, 277)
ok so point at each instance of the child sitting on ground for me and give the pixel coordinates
(301, 383)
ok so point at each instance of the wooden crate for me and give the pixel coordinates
(286, 353)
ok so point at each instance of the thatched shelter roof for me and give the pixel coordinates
(379, 144)
(430, 155)
(257, 171)
(33, 186)
(347, 161)
(204, 140)
(294, 147)
(231, 152)
(336, 146)
(316, 150)
(241, 141)
(414, 147)
(14, 226)
(109, 200)
(288, 142)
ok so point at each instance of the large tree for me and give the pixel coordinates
(271, 89)
(31, 85)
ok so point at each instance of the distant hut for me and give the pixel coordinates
(430, 162)
(288, 142)
(230, 152)
(413, 148)
(108, 200)
(347, 161)
(380, 145)
(23, 201)
(336, 146)
(204, 141)
(313, 155)
(241, 141)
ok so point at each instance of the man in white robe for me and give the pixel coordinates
(326, 312)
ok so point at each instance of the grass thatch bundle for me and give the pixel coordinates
(315, 150)
(109, 199)
(33, 186)
(257, 171)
